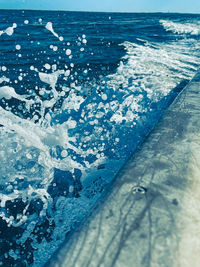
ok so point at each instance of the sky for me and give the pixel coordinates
(182, 6)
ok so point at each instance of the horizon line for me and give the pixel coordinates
(117, 12)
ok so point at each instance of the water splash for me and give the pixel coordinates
(9, 31)
(63, 141)
(49, 27)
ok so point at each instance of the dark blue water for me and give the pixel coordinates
(78, 92)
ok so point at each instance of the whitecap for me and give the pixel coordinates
(181, 28)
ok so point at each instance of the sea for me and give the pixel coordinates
(78, 92)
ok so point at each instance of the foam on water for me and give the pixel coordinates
(181, 28)
(9, 31)
(152, 68)
(57, 160)
(8, 92)
(4, 79)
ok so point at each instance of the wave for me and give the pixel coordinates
(157, 68)
(181, 28)
(55, 164)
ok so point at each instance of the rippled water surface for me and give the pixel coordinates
(78, 92)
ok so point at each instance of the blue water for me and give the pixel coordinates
(78, 92)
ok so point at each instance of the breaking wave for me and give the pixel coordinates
(64, 137)
(181, 28)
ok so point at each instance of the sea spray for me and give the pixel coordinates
(73, 109)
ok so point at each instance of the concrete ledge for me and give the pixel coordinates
(152, 215)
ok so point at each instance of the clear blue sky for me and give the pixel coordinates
(186, 6)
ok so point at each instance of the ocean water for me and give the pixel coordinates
(78, 92)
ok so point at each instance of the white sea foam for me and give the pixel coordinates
(181, 28)
(4, 79)
(9, 31)
(152, 68)
(8, 92)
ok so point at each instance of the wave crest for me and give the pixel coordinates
(180, 28)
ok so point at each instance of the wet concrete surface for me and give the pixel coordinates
(152, 215)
